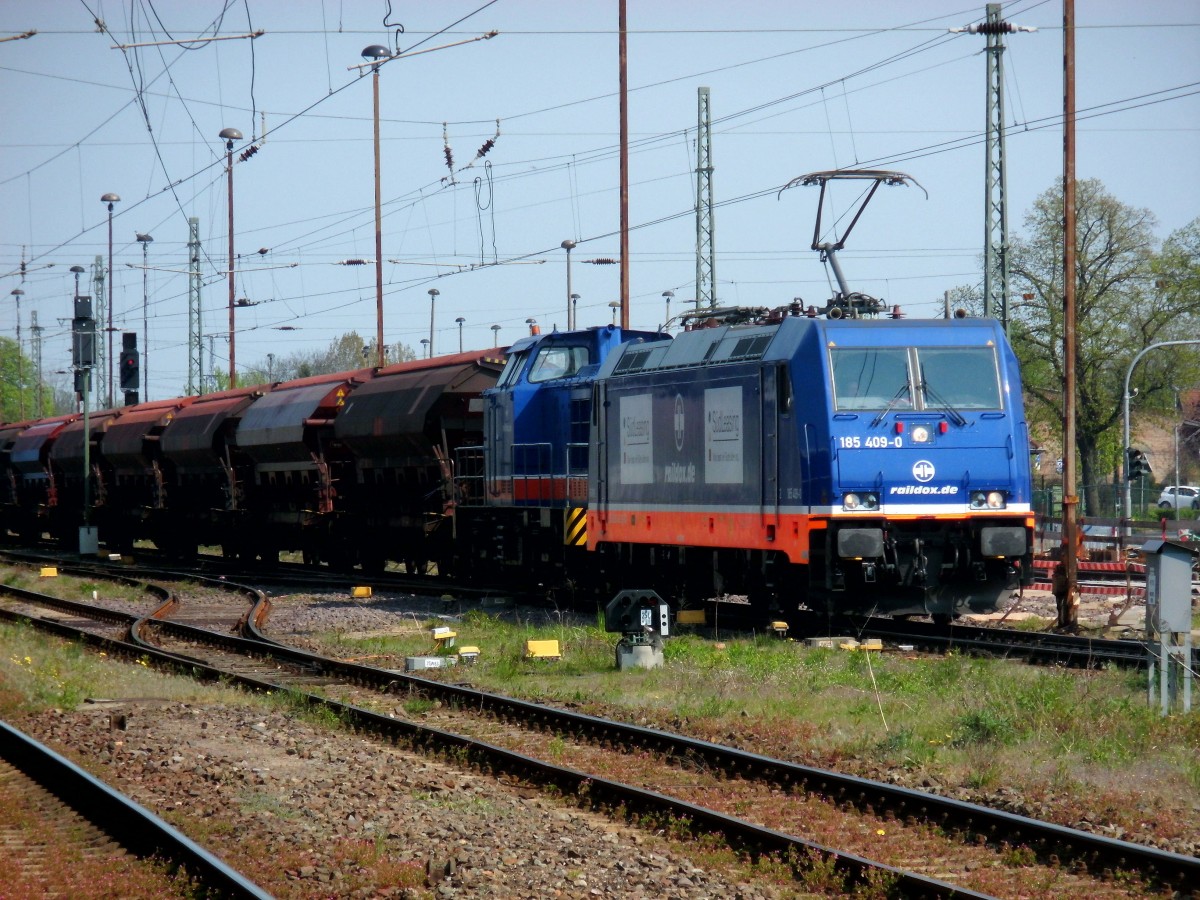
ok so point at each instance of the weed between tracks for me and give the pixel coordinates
(1067, 744)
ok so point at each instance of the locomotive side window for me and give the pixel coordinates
(960, 377)
(870, 377)
(557, 362)
(516, 362)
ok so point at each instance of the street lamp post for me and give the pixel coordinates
(495, 335)
(667, 295)
(574, 310)
(144, 240)
(17, 295)
(614, 305)
(425, 346)
(1127, 509)
(460, 321)
(110, 199)
(533, 326)
(569, 245)
(378, 54)
(433, 295)
(229, 135)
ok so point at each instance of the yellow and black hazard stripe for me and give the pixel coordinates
(575, 534)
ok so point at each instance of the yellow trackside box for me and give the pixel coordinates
(690, 617)
(542, 650)
(360, 593)
(49, 572)
(468, 655)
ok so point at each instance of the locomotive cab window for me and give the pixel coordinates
(927, 378)
(959, 377)
(557, 362)
(871, 378)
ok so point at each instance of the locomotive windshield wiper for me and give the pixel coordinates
(904, 389)
(940, 402)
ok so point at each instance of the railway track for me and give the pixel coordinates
(1042, 648)
(501, 727)
(80, 817)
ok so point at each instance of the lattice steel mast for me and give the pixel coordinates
(195, 383)
(995, 228)
(100, 280)
(706, 260)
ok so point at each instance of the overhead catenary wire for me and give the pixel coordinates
(500, 174)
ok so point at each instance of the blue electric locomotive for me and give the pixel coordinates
(837, 463)
(844, 464)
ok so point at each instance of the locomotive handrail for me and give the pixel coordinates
(469, 476)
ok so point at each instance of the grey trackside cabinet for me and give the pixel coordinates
(1169, 621)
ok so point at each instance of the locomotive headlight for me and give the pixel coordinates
(919, 435)
(854, 501)
(988, 500)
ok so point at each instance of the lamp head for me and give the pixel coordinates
(110, 199)
(78, 270)
(229, 135)
(143, 238)
(376, 52)
(433, 292)
(568, 245)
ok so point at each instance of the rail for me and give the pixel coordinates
(131, 825)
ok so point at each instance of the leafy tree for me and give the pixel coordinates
(18, 386)
(344, 354)
(1125, 301)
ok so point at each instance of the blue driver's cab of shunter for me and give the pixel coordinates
(538, 417)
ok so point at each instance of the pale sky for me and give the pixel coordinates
(794, 88)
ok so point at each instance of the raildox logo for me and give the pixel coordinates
(679, 422)
(923, 470)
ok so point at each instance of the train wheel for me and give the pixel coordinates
(374, 562)
(340, 559)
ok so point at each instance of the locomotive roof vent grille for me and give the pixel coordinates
(751, 347)
(632, 360)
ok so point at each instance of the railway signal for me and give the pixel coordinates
(1137, 465)
(130, 371)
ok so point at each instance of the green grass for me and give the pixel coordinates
(972, 720)
(38, 671)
